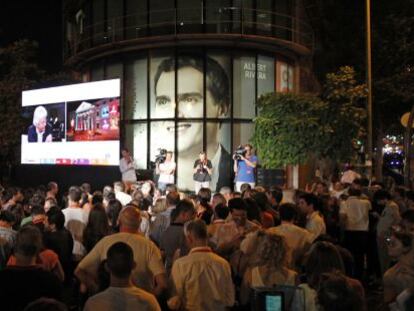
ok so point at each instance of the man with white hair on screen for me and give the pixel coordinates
(39, 131)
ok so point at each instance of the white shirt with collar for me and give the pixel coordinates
(356, 210)
(123, 197)
(315, 225)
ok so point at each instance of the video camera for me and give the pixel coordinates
(160, 158)
(239, 152)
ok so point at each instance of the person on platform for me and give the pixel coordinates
(166, 171)
(40, 131)
(127, 168)
(244, 168)
(202, 172)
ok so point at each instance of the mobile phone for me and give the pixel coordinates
(273, 302)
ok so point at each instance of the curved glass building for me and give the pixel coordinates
(191, 70)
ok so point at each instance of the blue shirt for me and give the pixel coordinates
(245, 173)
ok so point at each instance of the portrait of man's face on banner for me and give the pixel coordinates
(187, 106)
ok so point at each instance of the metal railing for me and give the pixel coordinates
(222, 20)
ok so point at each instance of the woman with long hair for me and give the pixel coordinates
(268, 265)
(324, 257)
(97, 227)
(400, 276)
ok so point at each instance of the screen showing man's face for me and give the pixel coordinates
(190, 105)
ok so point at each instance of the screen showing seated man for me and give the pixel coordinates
(72, 125)
(48, 124)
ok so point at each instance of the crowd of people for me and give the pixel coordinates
(136, 247)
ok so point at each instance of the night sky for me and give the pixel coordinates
(39, 20)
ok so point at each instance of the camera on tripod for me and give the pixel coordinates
(239, 153)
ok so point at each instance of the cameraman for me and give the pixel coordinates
(244, 168)
(166, 171)
(202, 172)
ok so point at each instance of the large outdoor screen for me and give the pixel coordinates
(76, 124)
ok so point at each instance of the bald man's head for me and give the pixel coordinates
(129, 219)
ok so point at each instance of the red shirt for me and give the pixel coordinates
(267, 220)
(47, 259)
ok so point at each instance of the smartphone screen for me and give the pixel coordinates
(273, 303)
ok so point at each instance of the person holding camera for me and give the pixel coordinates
(202, 172)
(244, 167)
(166, 170)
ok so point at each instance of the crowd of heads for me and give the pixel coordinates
(310, 242)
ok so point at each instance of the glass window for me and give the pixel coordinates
(189, 145)
(218, 16)
(189, 16)
(244, 85)
(98, 20)
(97, 72)
(190, 86)
(265, 75)
(219, 152)
(248, 17)
(137, 19)
(136, 141)
(115, 11)
(136, 88)
(283, 18)
(264, 17)
(162, 17)
(162, 86)
(242, 133)
(114, 71)
(285, 77)
(218, 93)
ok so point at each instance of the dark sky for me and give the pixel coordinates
(39, 20)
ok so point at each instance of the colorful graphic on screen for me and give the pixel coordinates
(72, 125)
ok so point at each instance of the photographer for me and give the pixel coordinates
(202, 172)
(166, 171)
(244, 167)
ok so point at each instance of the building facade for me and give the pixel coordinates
(191, 70)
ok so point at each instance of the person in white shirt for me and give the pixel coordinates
(201, 280)
(354, 215)
(166, 171)
(76, 220)
(127, 168)
(349, 175)
(390, 216)
(120, 195)
(308, 204)
(297, 239)
(121, 294)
